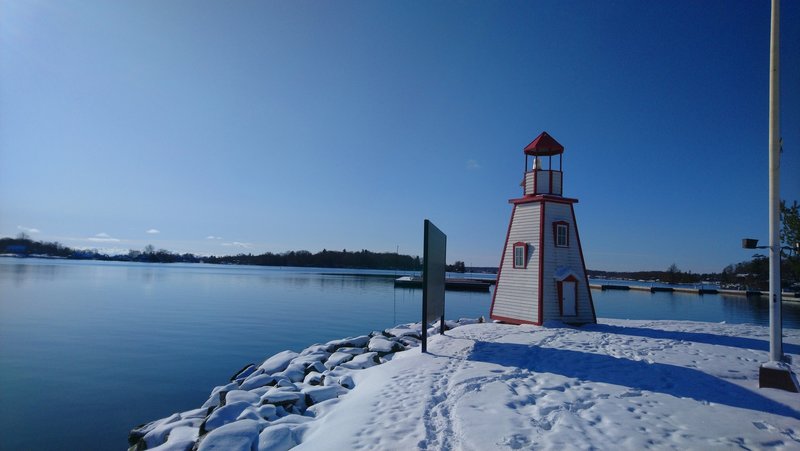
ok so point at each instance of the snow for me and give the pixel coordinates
(618, 384)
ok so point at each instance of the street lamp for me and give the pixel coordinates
(775, 373)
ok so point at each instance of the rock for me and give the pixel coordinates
(337, 358)
(181, 438)
(356, 342)
(362, 361)
(309, 359)
(316, 395)
(318, 367)
(285, 383)
(238, 436)
(242, 395)
(278, 362)
(218, 394)
(292, 419)
(244, 372)
(280, 397)
(351, 350)
(258, 381)
(314, 349)
(251, 413)
(313, 378)
(409, 341)
(346, 381)
(294, 372)
(277, 438)
(268, 412)
(384, 345)
(158, 435)
(339, 380)
(406, 330)
(223, 415)
(465, 321)
(195, 413)
(140, 431)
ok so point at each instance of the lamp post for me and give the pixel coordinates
(775, 373)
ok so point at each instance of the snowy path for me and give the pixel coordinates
(615, 385)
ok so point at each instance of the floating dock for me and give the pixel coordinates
(449, 284)
(786, 295)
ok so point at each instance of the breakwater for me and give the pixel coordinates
(268, 406)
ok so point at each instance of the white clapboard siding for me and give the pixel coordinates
(555, 257)
(516, 293)
(529, 188)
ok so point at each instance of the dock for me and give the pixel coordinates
(786, 295)
(449, 284)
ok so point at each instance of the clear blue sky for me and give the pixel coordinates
(258, 126)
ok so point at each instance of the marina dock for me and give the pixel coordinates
(786, 295)
(449, 284)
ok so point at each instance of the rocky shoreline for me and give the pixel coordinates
(265, 406)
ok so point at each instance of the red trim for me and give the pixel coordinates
(544, 145)
(555, 232)
(583, 262)
(542, 198)
(541, 265)
(560, 287)
(514, 320)
(551, 190)
(524, 247)
(500, 269)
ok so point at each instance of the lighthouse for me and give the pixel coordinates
(542, 274)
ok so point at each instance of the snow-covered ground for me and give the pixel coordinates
(615, 385)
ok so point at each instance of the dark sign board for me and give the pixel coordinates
(433, 274)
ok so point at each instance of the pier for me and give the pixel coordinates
(786, 295)
(449, 284)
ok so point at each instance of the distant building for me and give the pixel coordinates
(542, 274)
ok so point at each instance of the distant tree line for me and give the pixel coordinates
(362, 259)
(23, 246)
(750, 274)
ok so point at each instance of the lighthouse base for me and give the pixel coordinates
(777, 375)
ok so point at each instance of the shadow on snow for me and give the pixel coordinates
(697, 337)
(664, 378)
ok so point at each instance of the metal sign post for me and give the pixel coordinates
(433, 274)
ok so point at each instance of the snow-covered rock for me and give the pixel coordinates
(280, 397)
(238, 436)
(278, 362)
(294, 372)
(181, 438)
(223, 415)
(241, 395)
(337, 358)
(362, 361)
(313, 378)
(158, 434)
(258, 381)
(384, 345)
(276, 438)
(315, 395)
(242, 374)
(217, 394)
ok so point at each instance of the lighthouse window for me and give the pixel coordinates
(520, 256)
(562, 234)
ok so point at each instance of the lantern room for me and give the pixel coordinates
(542, 177)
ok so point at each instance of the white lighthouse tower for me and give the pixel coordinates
(542, 275)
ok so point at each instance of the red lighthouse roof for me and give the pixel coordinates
(544, 145)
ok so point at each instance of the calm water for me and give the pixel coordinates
(89, 349)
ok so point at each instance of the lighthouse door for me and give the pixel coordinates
(568, 302)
